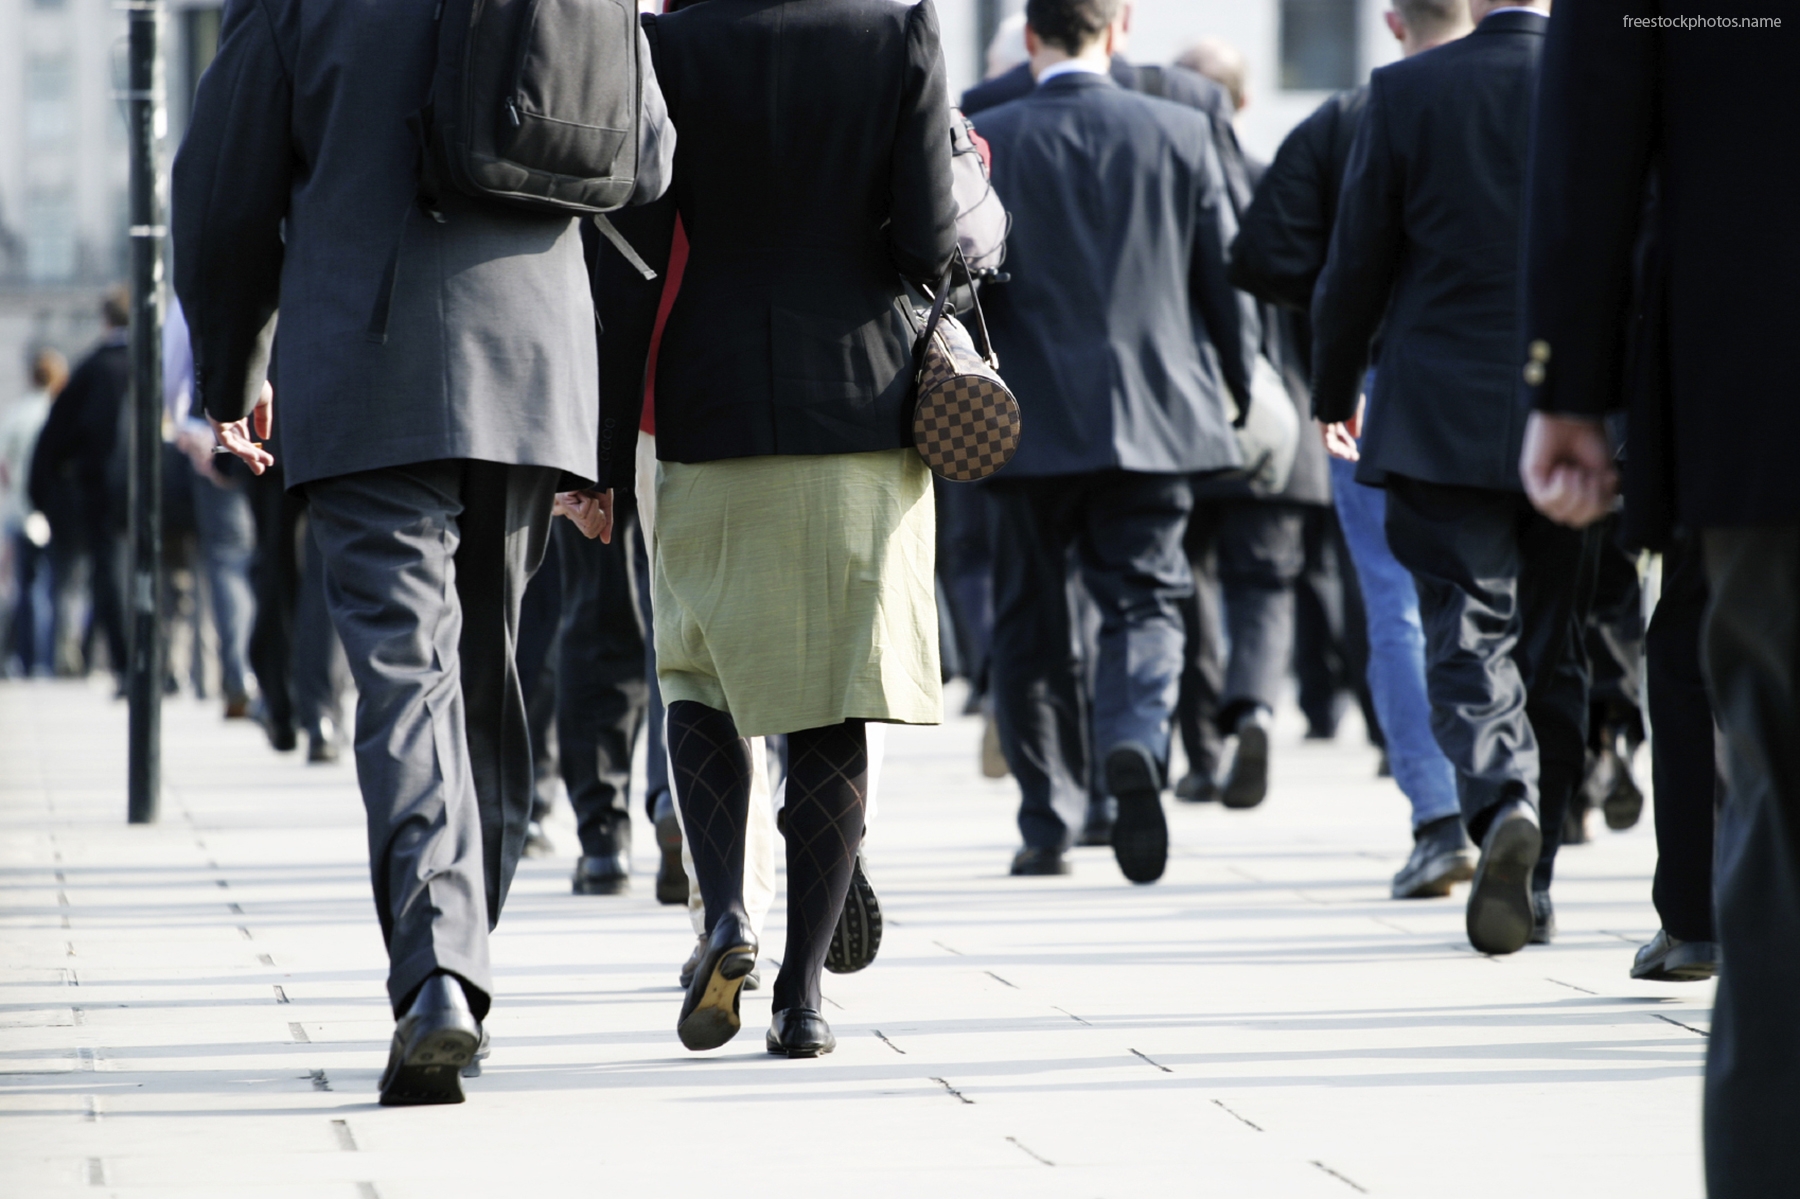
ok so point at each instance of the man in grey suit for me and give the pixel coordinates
(430, 457)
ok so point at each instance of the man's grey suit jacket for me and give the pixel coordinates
(295, 179)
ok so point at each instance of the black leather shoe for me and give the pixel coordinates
(857, 938)
(671, 879)
(1097, 828)
(709, 1014)
(1441, 857)
(1671, 960)
(1197, 787)
(1140, 839)
(752, 980)
(473, 1069)
(799, 1032)
(1623, 802)
(1039, 859)
(1248, 783)
(433, 1041)
(603, 875)
(1543, 918)
(1500, 917)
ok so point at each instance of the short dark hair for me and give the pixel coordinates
(115, 306)
(1071, 25)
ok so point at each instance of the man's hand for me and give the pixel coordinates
(1567, 468)
(1342, 436)
(592, 512)
(236, 437)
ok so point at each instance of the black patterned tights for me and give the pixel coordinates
(828, 772)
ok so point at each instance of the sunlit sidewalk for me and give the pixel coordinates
(196, 1007)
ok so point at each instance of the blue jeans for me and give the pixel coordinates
(1396, 650)
(227, 530)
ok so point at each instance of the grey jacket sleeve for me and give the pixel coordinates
(1229, 315)
(656, 132)
(1352, 293)
(231, 184)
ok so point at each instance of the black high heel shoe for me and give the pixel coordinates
(709, 1014)
(433, 1041)
(800, 1032)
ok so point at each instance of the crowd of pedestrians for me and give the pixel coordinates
(1341, 425)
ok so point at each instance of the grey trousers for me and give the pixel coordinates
(425, 567)
(1752, 656)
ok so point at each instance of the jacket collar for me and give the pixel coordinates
(1514, 22)
(1076, 81)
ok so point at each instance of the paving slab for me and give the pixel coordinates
(196, 1007)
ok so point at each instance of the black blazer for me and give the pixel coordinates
(1427, 241)
(1286, 231)
(1117, 331)
(1712, 388)
(76, 467)
(812, 174)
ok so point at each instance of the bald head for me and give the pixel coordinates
(1220, 62)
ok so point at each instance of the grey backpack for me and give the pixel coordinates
(533, 104)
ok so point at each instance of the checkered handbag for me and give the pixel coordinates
(965, 421)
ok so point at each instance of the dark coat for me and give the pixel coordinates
(1286, 232)
(1426, 249)
(77, 469)
(295, 180)
(812, 177)
(1117, 331)
(1702, 350)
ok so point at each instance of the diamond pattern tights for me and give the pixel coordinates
(827, 783)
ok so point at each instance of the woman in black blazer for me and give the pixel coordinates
(793, 548)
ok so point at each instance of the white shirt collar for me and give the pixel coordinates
(1070, 66)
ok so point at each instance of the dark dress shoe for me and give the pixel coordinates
(1623, 805)
(671, 879)
(1097, 828)
(857, 938)
(1543, 918)
(752, 980)
(709, 1014)
(1248, 783)
(283, 737)
(1140, 838)
(1197, 787)
(1441, 857)
(433, 1041)
(608, 875)
(1671, 960)
(799, 1032)
(482, 1049)
(1039, 859)
(1500, 918)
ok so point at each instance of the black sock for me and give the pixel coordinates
(827, 780)
(712, 784)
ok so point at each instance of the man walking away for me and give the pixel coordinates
(429, 457)
(1277, 257)
(30, 627)
(1425, 247)
(1122, 338)
(1715, 456)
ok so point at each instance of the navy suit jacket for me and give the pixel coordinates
(1426, 248)
(1118, 331)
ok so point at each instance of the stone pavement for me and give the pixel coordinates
(196, 1008)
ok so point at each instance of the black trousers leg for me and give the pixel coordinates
(1752, 648)
(1320, 660)
(320, 675)
(1500, 590)
(426, 565)
(1260, 554)
(275, 574)
(1038, 690)
(540, 624)
(1202, 688)
(603, 693)
(1683, 758)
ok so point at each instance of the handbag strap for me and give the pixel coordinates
(940, 302)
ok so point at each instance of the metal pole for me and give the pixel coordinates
(145, 670)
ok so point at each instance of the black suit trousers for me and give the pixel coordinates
(1122, 531)
(1752, 648)
(602, 694)
(426, 566)
(1504, 596)
(1683, 757)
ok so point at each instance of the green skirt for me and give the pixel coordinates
(796, 592)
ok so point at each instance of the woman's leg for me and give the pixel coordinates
(711, 766)
(827, 783)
